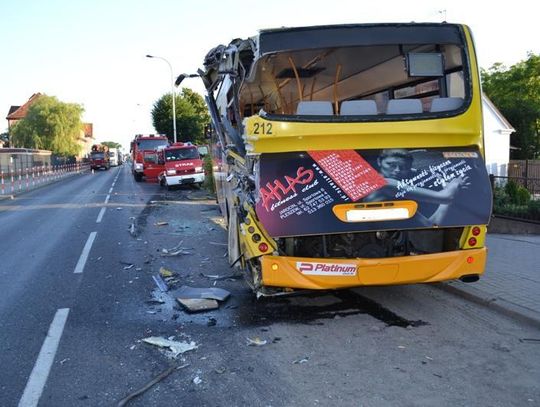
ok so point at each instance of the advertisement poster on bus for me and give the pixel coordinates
(298, 192)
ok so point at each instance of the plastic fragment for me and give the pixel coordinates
(256, 341)
(175, 347)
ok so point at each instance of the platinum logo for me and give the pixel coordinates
(326, 269)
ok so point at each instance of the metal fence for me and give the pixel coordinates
(504, 207)
(25, 179)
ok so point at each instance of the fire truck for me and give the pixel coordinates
(140, 145)
(99, 157)
(182, 165)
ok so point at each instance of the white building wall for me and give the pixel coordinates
(497, 143)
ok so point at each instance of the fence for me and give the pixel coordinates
(25, 179)
(505, 206)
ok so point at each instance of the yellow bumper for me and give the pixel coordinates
(321, 274)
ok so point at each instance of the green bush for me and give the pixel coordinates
(209, 171)
(522, 196)
(511, 189)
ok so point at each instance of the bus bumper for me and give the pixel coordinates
(321, 274)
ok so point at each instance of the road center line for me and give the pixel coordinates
(110, 190)
(107, 199)
(40, 372)
(100, 216)
(86, 251)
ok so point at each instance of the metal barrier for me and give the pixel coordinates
(504, 207)
(12, 182)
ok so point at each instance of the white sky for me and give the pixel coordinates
(93, 52)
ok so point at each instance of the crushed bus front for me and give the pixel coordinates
(350, 155)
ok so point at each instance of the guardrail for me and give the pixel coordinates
(25, 179)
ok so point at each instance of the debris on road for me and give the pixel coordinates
(175, 347)
(119, 209)
(217, 277)
(211, 322)
(300, 361)
(175, 251)
(198, 304)
(165, 273)
(162, 285)
(256, 341)
(197, 380)
(129, 267)
(220, 370)
(132, 230)
(213, 293)
(218, 244)
(148, 385)
(162, 223)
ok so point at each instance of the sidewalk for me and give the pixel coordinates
(511, 282)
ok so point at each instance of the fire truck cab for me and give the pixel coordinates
(183, 165)
(140, 145)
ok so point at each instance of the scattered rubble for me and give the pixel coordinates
(148, 385)
(198, 304)
(175, 347)
(214, 293)
(162, 285)
(256, 341)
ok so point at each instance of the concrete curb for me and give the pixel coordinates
(495, 303)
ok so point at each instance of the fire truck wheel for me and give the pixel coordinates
(138, 177)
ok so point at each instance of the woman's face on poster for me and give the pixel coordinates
(395, 166)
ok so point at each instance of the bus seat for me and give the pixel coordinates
(444, 104)
(314, 108)
(404, 106)
(358, 107)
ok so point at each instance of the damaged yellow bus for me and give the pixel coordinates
(350, 155)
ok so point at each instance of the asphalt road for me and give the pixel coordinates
(385, 346)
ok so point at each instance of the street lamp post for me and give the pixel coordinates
(173, 93)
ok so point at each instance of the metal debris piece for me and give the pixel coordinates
(214, 293)
(175, 251)
(162, 223)
(162, 285)
(256, 341)
(175, 347)
(148, 385)
(220, 370)
(300, 361)
(218, 244)
(198, 304)
(129, 267)
(132, 230)
(197, 380)
(166, 272)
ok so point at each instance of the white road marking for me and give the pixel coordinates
(100, 216)
(86, 251)
(40, 372)
(107, 199)
(110, 190)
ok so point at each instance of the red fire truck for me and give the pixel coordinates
(183, 165)
(140, 145)
(99, 157)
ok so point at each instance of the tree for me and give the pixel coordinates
(516, 92)
(112, 144)
(50, 125)
(191, 116)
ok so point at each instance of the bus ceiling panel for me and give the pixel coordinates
(354, 35)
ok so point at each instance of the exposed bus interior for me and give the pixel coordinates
(374, 82)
